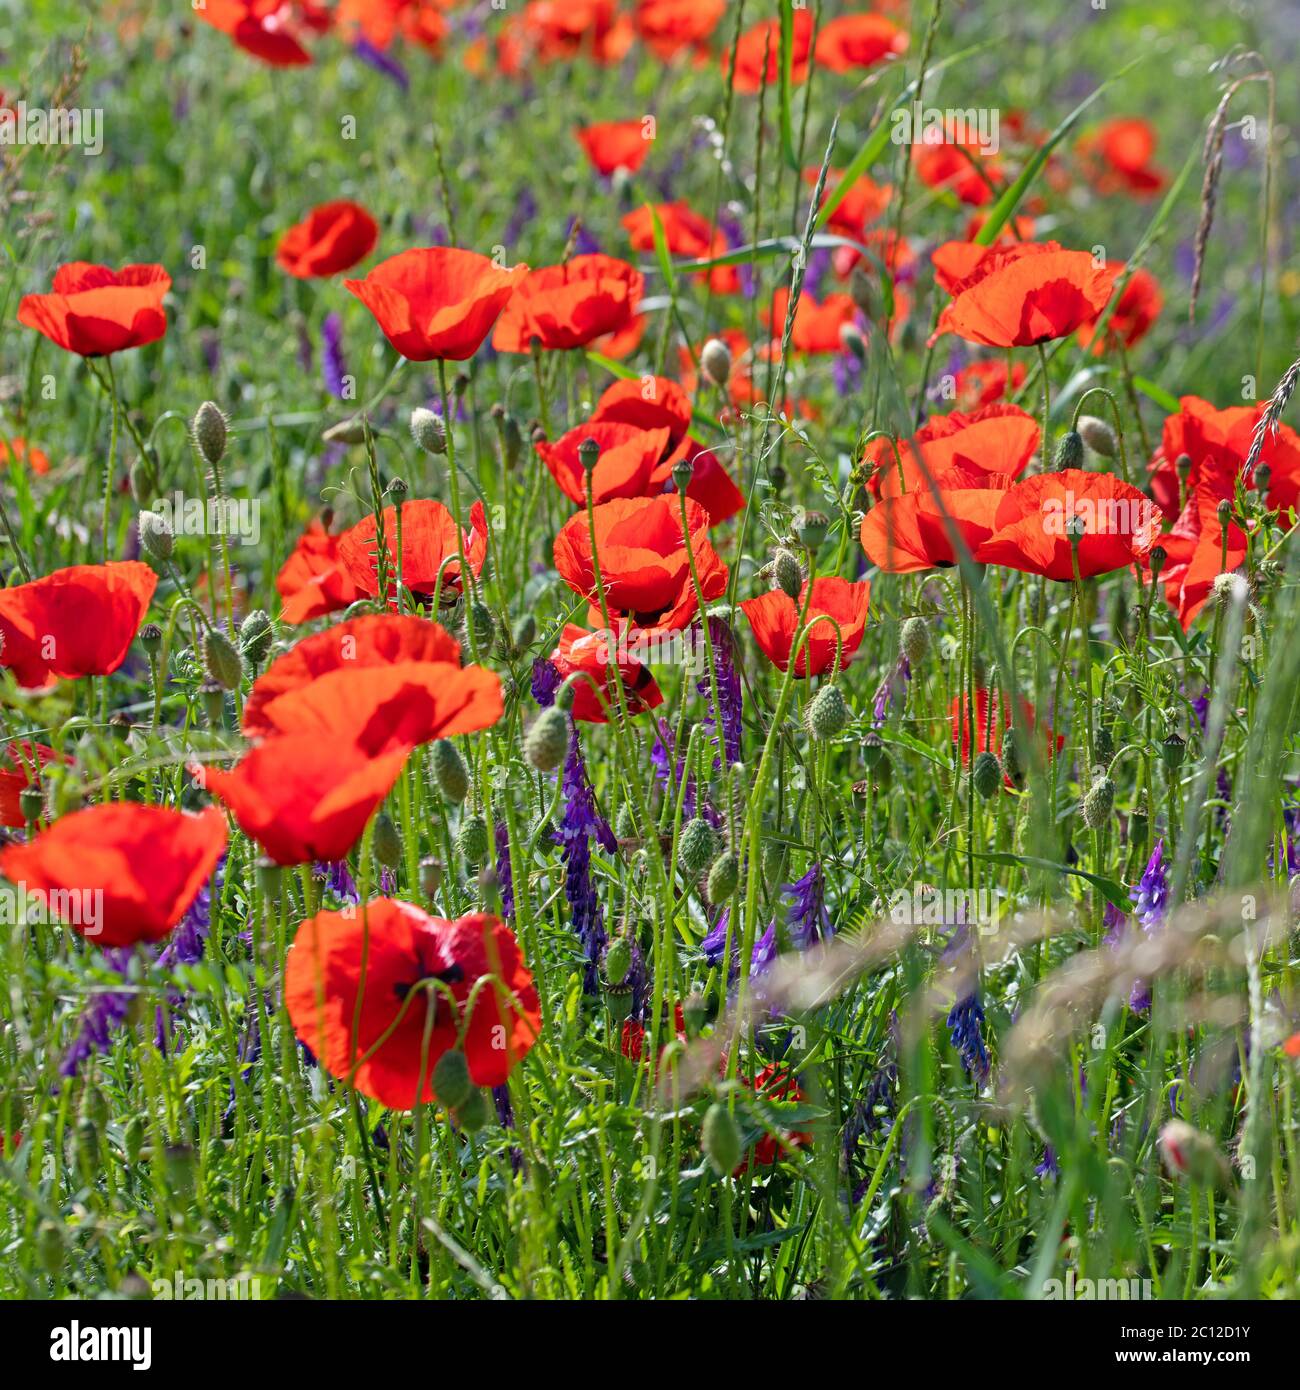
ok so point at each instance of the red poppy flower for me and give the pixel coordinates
(374, 641)
(1025, 294)
(990, 447)
(956, 261)
(686, 233)
(313, 580)
(271, 30)
(752, 73)
(305, 798)
(1197, 556)
(1120, 524)
(985, 383)
(20, 761)
(959, 166)
(776, 1083)
(588, 652)
(331, 238)
(632, 1039)
(570, 305)
(858, 41)
(628, 458)
(816, 326)
(652, 403)
(436, 302)
(906, 534)
(428, 539)
(669, 26)
(645, 567)
(1117, 158)
(612, 145)
(774, 616)
(355, 988)
(623, 342)
(564, 29)
(119, 873)
(1137, 308)
(863, 201)
(94, 311)
(988, 732)
(78, 621)
(36, 459)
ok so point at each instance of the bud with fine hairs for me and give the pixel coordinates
(222, 660)
(1097, 435)
(428, 431)
(209, 430)
(156, 536)
(715, 361)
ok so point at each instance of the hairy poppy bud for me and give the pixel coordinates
(449, 770)
(430, 876)
(31, 802)
(721, 1139)
(986, 775)
(1098, 803)
(222, 659)
(143, 478)
(853, 341)
(546, 743)
(589, 454)
(827, 713)
(1103, 743)
(618, 960)
(1172, 750)
(209, 429)
(525, 633)
(1097, 435)
(156, 535)
(812, 530)
(715, 361)
(256, 633)
(451, 1080)
(914, 640)
(1069, 450)
(786, 572)
(479, 626)
(472, 841)
(1013, 767)
(428, 431)
(724, 876)
(696, 848)
(472, 1114)
(387, 842)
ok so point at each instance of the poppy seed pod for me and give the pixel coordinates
(546, 743)
(209, 430)
(451, 1079)
(715, 361)
(1157, 560)
(31, 803)
(1183, 467)
(696, 848)
(1069, 450)
(986, 775)
(430, 876)
(151, 638)
(589, 454)
(222, 660)
(812, 530)
(827, 713)
(683, 472)
(156, 536)
(472, 839)
(787, 572)
(1099, 803)
(721, 1139)
(449, 770)
(1097, 435)
(724, 877)
(1172, 750)
(914, 640)
(428, 431)
(387, 842)
(1263, 476)
(1013, 767)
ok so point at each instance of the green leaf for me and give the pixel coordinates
(1113, 892)
(787, 82)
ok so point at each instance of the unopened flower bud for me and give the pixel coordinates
(1098, 803)
(209, 429)
(827, 714)
(618, 961)
(546, 743)
(387, 842)
(1097, 435)
(914, 640)
(863, 293)
(156, 535)
(428, 431)
(351, 431)
(451, 1080)
(222, 660)
(430, 876)
(1069, 450)
(787, 572)
(986, 775)
(696, 848)
(715, 361)
(721, 1139)
(256, 633)
(449, 770)
(472, 841)
(724, 876)
(472, 1114)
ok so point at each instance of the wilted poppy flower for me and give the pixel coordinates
(19, 762)
(36, 459)
(331, 238)
(589, 653)
(686, 233)
(1137, 308)
(119, 873)
(376, 640)
(989, 731)
(669, 26)
(436, 302)
(774, 616)
(304, 797)
(628, 457)
(367, 990)
(764, 38)
(1117, 158)
(1120, 525)
(1197, 554)
(570, 305)
(858, 41)
(612, 145)
(1025, 294)
(862, 202)
(906, 534)
(94, 311)
(985, 383)
(428, 539)
(652, 403)
(271, 30)
(78, 621)
(816, 326)
(988, 447)
(313, 581)
(645, 568)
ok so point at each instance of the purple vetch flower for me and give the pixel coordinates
(185, 946)
(332, 366)
(964, 1021)
(892, 690)
(505, 879)
(818, 267)
(1115, 923)
(1047, 1166)
(846, 372)
(546, 681)
(387, 881)
(731, 710)
(104, 1012)
(762, 954)
(1150, 904)
(525, 210)
(381, 62)
(809, 920)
